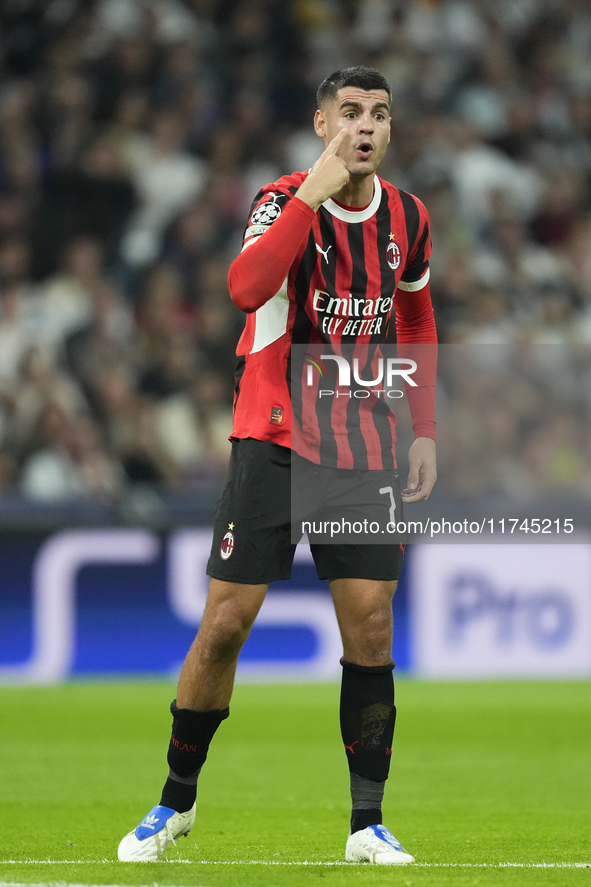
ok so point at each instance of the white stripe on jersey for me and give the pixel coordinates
(415, 285)
(249, 242)
(271, 320)
(361, 215)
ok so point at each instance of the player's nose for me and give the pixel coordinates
(366, 123)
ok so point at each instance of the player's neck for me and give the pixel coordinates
(357, 192)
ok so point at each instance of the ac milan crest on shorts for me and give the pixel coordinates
(227, 545)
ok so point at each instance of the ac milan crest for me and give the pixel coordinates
(227, 546)
(393, 255)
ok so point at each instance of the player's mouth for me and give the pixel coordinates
(364, 150)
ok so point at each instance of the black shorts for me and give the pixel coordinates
(253, 538)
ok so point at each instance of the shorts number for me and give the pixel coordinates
(390, 492)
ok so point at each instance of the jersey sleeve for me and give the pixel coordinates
(417, 341)
(416, 272)
(266, 208)
(277, 225)
(415, 327)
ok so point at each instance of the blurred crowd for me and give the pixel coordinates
(133, 137)
(513, 422)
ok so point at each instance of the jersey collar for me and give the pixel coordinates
(346, 215)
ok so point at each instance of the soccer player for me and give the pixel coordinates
(318, 247)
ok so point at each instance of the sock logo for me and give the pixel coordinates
(184, 747)
(350, 747)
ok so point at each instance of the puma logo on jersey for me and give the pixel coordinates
(324, 251)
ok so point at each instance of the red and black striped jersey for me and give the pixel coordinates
(347, 277)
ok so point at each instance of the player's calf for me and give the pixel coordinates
(368, 716)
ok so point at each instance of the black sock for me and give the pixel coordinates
(179, 793)
(192, 732)
(366, 799)
(368, 715)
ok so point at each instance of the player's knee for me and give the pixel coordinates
(371, 637)
(376, 622)
(226, 632)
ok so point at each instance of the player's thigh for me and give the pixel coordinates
(252, 530)
(363, 580)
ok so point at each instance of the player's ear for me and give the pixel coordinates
(320, 123)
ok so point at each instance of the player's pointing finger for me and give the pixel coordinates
(336, 143)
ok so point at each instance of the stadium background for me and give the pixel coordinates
(133, 136)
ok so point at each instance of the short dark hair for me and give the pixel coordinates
(361, 76)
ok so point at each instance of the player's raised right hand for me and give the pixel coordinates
(328, 175)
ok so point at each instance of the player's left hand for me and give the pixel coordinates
(423, 471)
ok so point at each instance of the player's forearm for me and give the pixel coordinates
(257, 274)
(421, 397)
(421, 402)
(415, 321)
(417, 340)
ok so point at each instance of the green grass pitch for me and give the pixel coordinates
(488, 782)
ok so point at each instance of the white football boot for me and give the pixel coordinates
(150, 839)
(377, 845)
